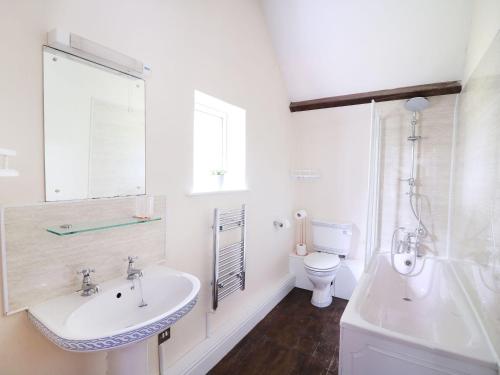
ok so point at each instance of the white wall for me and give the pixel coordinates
(484, 26)
(336, 142)
(219, 47)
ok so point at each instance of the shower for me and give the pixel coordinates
(406, 242)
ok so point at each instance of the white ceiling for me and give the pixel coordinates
(335, 47)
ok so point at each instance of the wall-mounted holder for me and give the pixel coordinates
(301, 217)
(281, 223)
(67, 229)
(5, 171)
(305, 174)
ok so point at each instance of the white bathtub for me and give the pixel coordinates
(423, 325)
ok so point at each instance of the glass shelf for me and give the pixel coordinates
(67, 229)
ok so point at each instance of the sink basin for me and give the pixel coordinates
(113, 318)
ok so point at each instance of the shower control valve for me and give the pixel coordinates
(410, 180)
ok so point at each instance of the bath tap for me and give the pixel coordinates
(132, 272)
(88, 288)
(411, 242)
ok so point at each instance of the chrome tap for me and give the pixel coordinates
(88, 288)
(132, 272)
(411, 241)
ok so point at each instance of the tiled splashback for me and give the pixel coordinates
(41, 265)
(433, 166)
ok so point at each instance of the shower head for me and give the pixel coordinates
(416, 104)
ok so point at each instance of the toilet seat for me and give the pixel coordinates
(321, 262)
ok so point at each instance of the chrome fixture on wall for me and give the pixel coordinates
(229, 261)
(404, 241)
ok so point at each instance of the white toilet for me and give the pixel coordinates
(331, 243)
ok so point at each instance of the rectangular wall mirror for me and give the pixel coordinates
(94, 128)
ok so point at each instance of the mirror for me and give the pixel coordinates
(94, 129)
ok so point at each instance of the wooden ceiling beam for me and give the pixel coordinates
(433, 89)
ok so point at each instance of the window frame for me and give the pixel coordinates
(200, 107)
(233, 145)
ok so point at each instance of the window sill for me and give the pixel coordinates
(213, 192)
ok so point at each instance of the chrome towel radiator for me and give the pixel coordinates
(229, 260)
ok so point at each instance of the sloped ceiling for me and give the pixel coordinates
(336, 47)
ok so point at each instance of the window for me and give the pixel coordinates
(219, 145)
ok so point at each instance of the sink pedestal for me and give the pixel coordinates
(130, 360)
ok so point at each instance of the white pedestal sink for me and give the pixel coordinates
(114, 320)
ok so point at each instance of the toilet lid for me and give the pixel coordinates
(321, 261)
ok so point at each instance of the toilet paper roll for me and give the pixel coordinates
(300, 214)
(301, 249)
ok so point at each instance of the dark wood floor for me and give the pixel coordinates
(294, 338)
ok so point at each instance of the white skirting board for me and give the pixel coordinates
(208, 353)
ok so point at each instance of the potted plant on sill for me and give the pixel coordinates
(219, 174)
